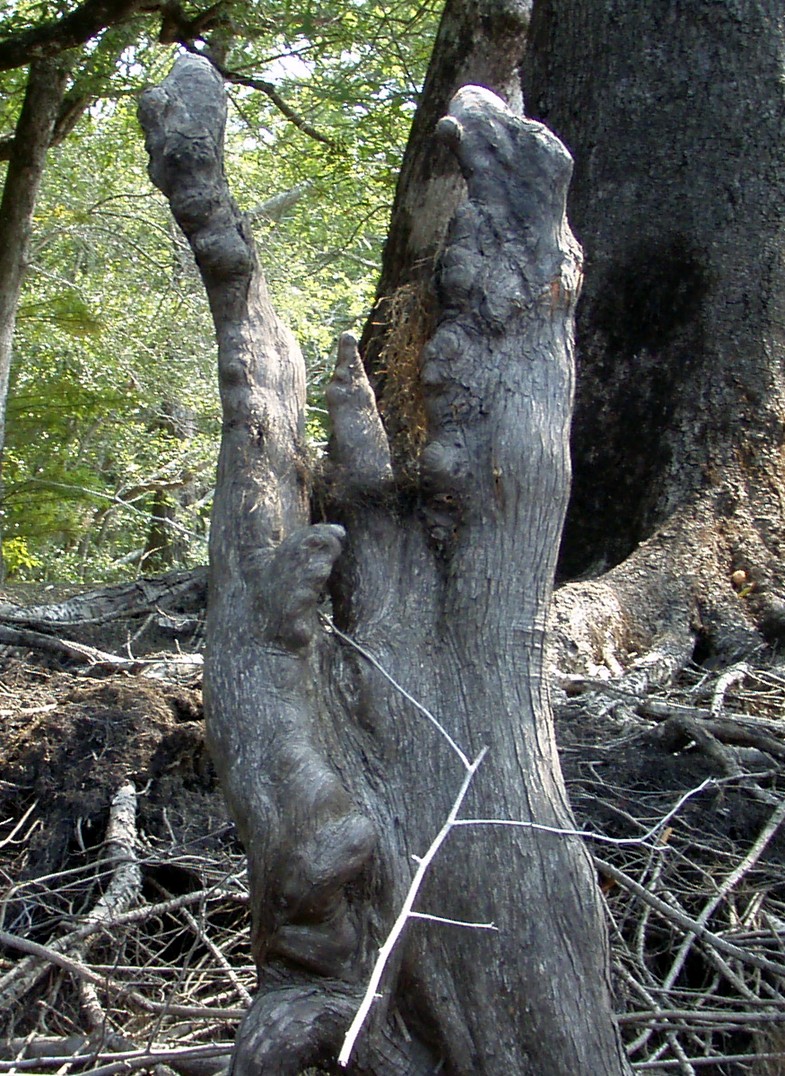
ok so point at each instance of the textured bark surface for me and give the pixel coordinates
(479, 42)
(335, 778)
(676, 119)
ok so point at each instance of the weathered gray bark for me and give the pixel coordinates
(479, 42)
(335, 778)
(45, 89)
(676, 117)
(176, 592)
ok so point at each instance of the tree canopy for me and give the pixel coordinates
(112, 411)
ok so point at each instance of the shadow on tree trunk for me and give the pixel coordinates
(675, 531)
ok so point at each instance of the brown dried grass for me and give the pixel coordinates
(411, 321)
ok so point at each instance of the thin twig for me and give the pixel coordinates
(401, 690)
(686, 922)
(590, 834)
(453, 922)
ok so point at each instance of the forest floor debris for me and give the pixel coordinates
(159, 979)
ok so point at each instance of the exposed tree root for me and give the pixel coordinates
(702, 586)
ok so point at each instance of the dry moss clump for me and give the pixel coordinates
(411, 322)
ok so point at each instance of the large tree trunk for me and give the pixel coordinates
(676, 117)
(335, 777)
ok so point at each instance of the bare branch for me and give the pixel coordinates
(686, 922)
(82, 971)
(75, 28)
(403, 916)
(269, 90)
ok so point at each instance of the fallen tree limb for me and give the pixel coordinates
(167, 667)
(686, 923)
(136, 598)
(714, 1059)
(63, 648)
(120, 894)
(123, 889)
(707, 1018)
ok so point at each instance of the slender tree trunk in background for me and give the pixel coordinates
(162, 549)
(479, 42)
(336, 780)
(166, 544)
(46, 84)
(675, 115)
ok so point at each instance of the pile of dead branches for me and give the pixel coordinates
(685, 792)
(135, 955)
(132, 975)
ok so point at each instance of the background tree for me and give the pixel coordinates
(675, 117)
(43, 96)
(322, 760)
(478, 41)
(112, 317)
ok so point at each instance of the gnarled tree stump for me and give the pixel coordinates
(335, 778)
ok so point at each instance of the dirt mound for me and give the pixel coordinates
(68, 743)
(125, 942)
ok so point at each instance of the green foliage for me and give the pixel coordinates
(18, 559)
(114, 336)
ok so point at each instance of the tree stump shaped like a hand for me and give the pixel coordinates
(334, 776)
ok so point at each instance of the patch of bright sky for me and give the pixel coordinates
(292, 67)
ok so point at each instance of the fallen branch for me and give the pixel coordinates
(686, 923)
(730, 883)
(15, 983)
(62, 648)
(169, 667)
(123, 600)
(123, 889)
(708, 1018)
(188, 1060)
(82, 971)
(701, 1062)
(218, 956)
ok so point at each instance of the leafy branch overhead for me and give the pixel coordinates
(109, 299)
(88, 20)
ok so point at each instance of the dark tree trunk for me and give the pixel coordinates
(335, 777)
(479, 42)
(676, 117)
(46, 84)
(166, 544)
(77, 27)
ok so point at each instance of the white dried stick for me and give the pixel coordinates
(403, 916)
